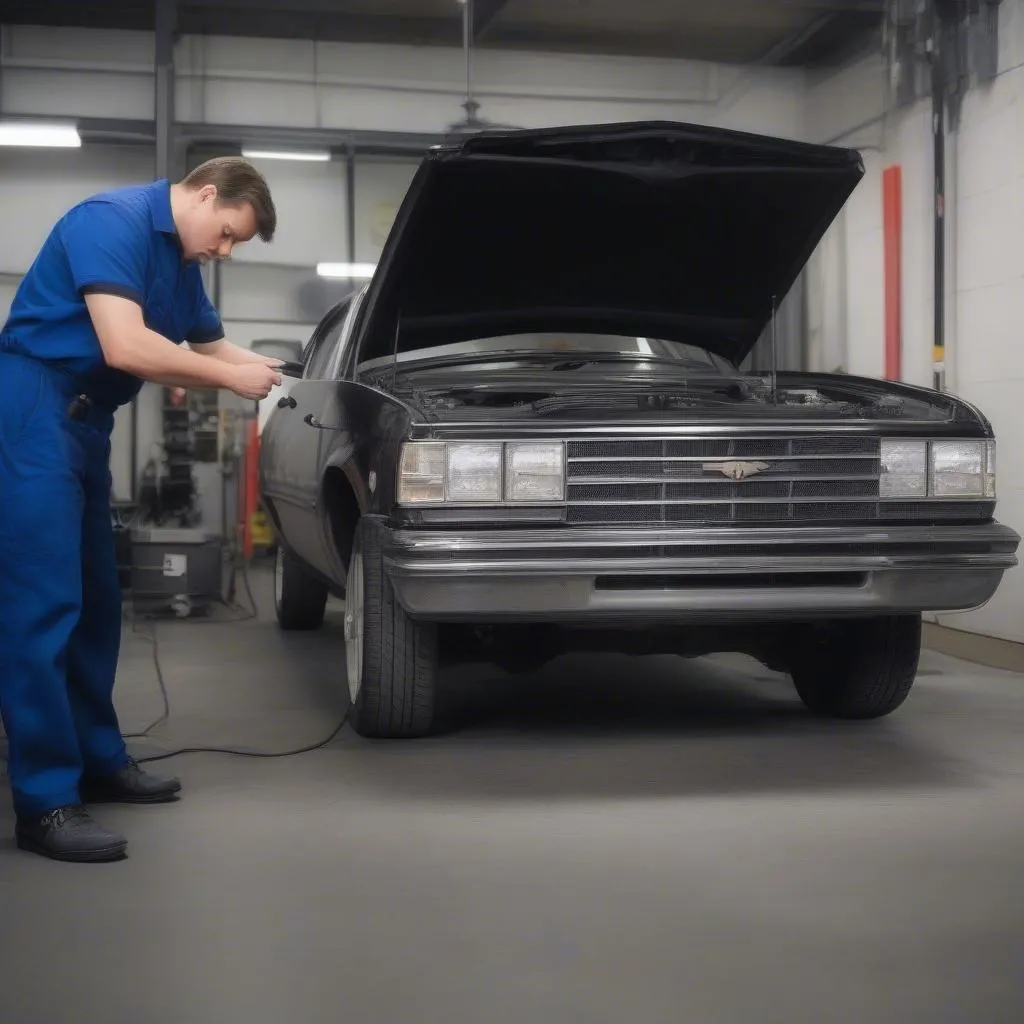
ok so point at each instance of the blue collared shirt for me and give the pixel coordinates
(124, 243)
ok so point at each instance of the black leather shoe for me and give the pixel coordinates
(68, 833)
(130, 784)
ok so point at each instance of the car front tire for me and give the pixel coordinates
(391, 659)
(858, 669)
(299, 599)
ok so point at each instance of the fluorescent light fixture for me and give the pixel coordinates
(28, 133)
(347, 270)
(315, 155)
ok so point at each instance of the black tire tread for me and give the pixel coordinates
(398, 692)
(866, 670)
(303, 598)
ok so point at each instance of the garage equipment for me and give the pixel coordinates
(176, 572)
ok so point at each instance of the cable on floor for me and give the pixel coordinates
(151, 637)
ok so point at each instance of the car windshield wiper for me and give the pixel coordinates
(427, 363)
(558, 361)
(590, 358)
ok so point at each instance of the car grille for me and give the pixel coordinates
(798, 480)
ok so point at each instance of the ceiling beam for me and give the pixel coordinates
(342, 140)
(308, 24)
(484, 12)
(310, 19)
(785, 48)
(322, 20)
(827, 36)
(188, 133)
(246, 7)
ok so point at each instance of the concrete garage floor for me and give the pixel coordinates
(612, 840)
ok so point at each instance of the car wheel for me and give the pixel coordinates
(858, 669)
(391, 659)
(299, 599)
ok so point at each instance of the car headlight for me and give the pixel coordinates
(904, 469)
(421, 473)
(963, 469)
(474, 472)
(534, 472)
(938, 469)
(431, 472)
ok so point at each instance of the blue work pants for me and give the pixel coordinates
(60, 597)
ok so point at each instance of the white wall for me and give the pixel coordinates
(847, 269)
(380, 187)
(985, 273)
(299, 83)
(311, 217)
(987, 365)
(38, 185)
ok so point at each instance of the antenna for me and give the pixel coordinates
(394, 350)
(775, 353)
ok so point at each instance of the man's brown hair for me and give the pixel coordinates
(238, 182)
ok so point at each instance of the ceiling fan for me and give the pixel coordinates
(471, 123)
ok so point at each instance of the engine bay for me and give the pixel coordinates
(539, 395)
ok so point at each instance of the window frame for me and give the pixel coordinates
(325, 340)
(347, 329)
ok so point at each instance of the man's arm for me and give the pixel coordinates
(106, 250)
(206, 335)
(130, 346)
(228, 352)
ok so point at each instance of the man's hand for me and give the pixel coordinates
(253, 380)
(270, 361)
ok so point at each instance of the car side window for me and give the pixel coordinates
(347, 325)
(316, 368)
(324, 343)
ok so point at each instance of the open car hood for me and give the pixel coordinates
(653, 229)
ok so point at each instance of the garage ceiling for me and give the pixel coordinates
(775, 32)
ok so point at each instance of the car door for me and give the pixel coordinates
(321, 393)
(291, 443)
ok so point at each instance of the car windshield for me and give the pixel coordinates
(570, 347)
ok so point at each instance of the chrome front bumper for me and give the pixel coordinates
(707, 575)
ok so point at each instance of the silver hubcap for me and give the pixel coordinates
(279, 576)
(354, 615)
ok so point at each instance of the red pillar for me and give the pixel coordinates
(892, 224)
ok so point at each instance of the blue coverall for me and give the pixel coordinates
(60, 599)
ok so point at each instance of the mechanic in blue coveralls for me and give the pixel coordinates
(114, 292)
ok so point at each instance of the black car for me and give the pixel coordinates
(529, 434)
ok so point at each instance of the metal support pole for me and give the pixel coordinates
(216, 284)
(163, 117)
(166, 22)
(350, 199)
(939, 157)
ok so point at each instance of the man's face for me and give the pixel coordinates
(211, 230)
